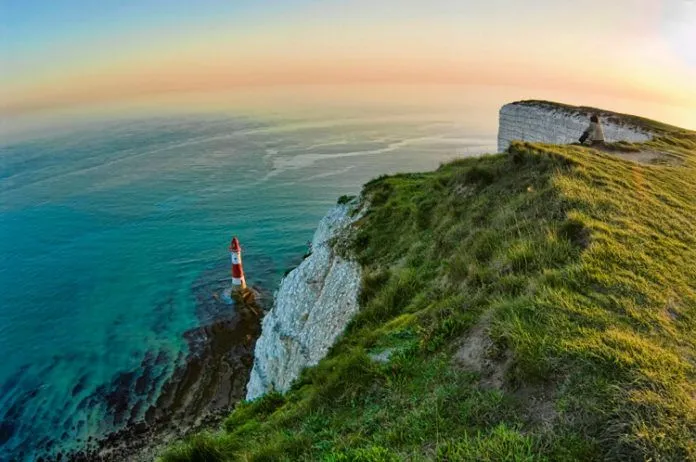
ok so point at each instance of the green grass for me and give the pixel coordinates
(580, 270)
(345, 199)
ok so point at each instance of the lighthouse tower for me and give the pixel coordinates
(238, 280)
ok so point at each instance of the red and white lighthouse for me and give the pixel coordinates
(237, 269)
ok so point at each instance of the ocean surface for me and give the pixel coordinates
(107, 228)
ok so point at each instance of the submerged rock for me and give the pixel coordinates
(312, 307)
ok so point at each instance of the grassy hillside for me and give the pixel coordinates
(534, 305)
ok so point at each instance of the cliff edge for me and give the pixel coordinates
(314, 303)
(546, 122)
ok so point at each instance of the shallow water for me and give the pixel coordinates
(105, 232)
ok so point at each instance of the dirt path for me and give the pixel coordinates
(644, 156)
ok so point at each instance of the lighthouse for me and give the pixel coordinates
(238, 280)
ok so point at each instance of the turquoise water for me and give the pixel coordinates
(105, 231)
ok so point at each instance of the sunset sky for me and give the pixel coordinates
(62, 53)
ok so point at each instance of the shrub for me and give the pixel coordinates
(345, 199)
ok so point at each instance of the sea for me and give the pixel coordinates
(108, 226)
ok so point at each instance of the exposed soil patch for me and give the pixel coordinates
(477, 354)
(641, 156)
(382, 357)
(644, 157)
(538, 401)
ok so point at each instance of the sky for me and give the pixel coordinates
(63, 53)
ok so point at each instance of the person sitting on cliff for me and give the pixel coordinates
(594, 134)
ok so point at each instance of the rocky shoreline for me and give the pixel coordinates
(199, 394)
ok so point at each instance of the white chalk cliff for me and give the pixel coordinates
(312, 307)
(550, 123)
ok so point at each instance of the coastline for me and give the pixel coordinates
(199, 394)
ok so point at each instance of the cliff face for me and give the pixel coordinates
(312, 307)
(558, 124)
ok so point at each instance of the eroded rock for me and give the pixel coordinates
(313, 305)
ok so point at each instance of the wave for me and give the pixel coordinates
(300, 161)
